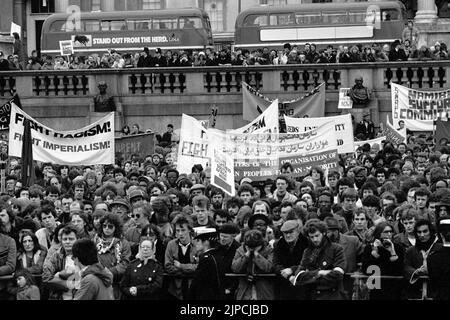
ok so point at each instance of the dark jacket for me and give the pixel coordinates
(438, 272)
(286, 257)
(8, 255)
(253, 266)
(413, 261)
(225, 257)
(208, 282)
(390, 289)
(353, 250)
(96, 284)
(325, 287)
(147, 278)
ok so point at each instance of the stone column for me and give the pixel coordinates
(426, 12)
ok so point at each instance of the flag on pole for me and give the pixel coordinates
(28, 175)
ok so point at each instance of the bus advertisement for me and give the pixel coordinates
(97, 32)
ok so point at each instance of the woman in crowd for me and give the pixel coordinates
(31, 254)
(113, 250)
(143, 277)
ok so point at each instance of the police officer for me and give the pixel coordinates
(208, 282)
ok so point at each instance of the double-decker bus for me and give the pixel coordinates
(321, 23)
(95, 32)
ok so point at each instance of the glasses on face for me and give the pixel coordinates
(136, 216)
(108, 226)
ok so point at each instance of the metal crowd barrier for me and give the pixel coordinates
(359, 279)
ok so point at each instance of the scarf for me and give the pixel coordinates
(104, 246)
(35, 259)
(316, 252)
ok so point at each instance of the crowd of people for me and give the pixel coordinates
(139, 229)
(404, 49)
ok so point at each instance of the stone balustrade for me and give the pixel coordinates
(62, 98)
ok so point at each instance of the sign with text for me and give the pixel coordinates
(93, 144)
(260, 156)
(5, 112)
(392, 134)
(266, 122)
(418, 109)
(66, 47)
(222, 169)
(193, 146)
(345, 102)
(342, 125)
(142, 144)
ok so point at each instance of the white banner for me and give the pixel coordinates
(266, 122)
(371, 142)
(222, 165)
(93, 144)
(345, 102)
(418, 109)
(343, 127)
(193, 146)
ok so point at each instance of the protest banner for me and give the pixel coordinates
(345, 102)
(266, 122)
(342, 124)
(15, 28)
(193, 146)
(5, 111)
(419, 108)
(260, 156)
(142, 144)
(392, 134)
(222, 169)
(372, 142)
(66, 47)
(93, 144)
(311, 104)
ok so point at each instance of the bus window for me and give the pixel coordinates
(91, 25)
(281, 19)
(308, 18)
(164, 24)
(58, 26)
(114, 25)
(190, 22)
(389, 15)
(357, 17)
(255, 20)
(334, 17)
(139, 24)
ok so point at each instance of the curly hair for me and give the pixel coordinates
(115, 220)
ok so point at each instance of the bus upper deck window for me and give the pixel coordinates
(334, 17)
(190, 22)
(282, 19)
(58, 26)
(357, 17)
(255, 20)
(389, 15)
(308, 18)
(91, 25)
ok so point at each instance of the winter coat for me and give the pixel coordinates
(325, 287)
(171, 255)
(37, 263)
(8, 255)
(147, 278)
(208, 282)
(96, 284)
(263, 287)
